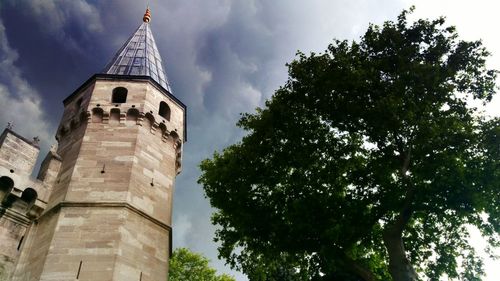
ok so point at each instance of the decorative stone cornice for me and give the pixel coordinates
(15, 216)
(108, 204)
(86, 117)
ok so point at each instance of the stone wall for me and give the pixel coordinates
(17, 153)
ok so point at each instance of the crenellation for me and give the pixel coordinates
(105, 117)
(123, 117)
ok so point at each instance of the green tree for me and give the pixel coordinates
(188, 266)
(368, 164)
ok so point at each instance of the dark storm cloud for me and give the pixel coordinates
(46, 47)
(20, 103)
(54, 43)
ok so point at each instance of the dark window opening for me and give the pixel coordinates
(29, 196)
(78, 104)
(6, 185)
(20, 243)
(79, 269)
(164, 110)
(119, 95)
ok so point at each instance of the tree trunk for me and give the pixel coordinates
(348, 266)
(400, 267)
(359, 270)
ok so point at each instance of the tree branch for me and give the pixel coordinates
(406, 156)
(358, 269)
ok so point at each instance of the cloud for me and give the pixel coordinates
(58, 17)
(21, 104)
(25, 113)
(476, 20)
(183, 228)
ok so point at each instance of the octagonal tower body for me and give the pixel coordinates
(110, 209)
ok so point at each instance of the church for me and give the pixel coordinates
(100, 207)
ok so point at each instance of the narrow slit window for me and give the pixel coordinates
(20, 243)
(79, 269)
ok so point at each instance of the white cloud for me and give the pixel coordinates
(56, 13)
(25, 113)
(183, 226)
(474, 20)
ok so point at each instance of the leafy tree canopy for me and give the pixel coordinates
(188, 266)
(368, 164)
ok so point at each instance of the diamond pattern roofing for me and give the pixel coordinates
(140, 56)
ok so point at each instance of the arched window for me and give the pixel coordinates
(164, 110)
(6, 185)
(119, 95)
(29, 196)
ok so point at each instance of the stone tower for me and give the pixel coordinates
(110, 180)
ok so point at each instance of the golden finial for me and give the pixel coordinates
(147, 15)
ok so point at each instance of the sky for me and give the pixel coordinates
(222, 58)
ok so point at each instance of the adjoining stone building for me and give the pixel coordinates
(101, 205)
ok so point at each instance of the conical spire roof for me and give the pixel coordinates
(139, 56)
